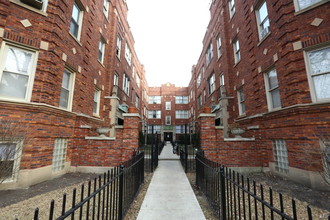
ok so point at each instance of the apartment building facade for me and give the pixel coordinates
(264, 71)
(67, 69)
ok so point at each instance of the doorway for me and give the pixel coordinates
(168, 136)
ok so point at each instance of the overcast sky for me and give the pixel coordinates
(168, 37)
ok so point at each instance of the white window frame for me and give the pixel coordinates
(299, 8)
(219, 46)
(280, 156)
(182, 114)
(168, 120)
(211, 84)
(168, 105)
(101, 50)
(236, 48)
(42, 10)
(118, 46)
(181, 99)
(232, 10)
(310, 75)
(241, 102)
(155, 99)
(199, 79)
(80, 19)
(269, 90)
(106, 4)
(5, 47)
(96, 102)
(115, 79)
(70, 89)
(16, 158)
(138, 80)
(126, 86)
(222, 79)
(137, 101)
(59, 154)
(128, 54)
(263, 31)
(209, 53)
(154, 114)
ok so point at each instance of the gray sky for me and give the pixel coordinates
(168, 37)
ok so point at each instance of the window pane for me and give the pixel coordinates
(64, 99)
(75, 12)
(272, 76)
(18, 61)
(263, 12)
(322, 86)
(13, 85)
(276, 99)
(306, 3)
(66, 80)
(320, 60)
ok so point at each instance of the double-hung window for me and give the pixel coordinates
(222, 80)
(10, 153)
(302, 4)
(182, 114)
(118, 46)
(272, 90)
(211, 84)
(115, 79)
(152, 129)
(237, 54)
(318, 70)
(76, 20)
(154, 114)
(106, 7)
(181, 100)
(199, 101)
(155, 99)
(219, 46)
(262, 20)
(168, 120)
(96, 102)
(138, 80)
(101, 50)
(199, 78)
(241, 102)
(137, 102)
(128, 54)
(126, 86)
(17, 69)
(168, 105)
(231, 4)
(209, 54)
(67, 90)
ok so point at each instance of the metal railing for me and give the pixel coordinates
(107, 197)
(233, 196)
(152, 148)
(187, 158)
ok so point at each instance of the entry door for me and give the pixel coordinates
(168, 136)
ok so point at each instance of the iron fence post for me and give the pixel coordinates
(121, 192)
(222, 193)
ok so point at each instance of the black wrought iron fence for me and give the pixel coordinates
(233, 196)
(187, 158)
(151, 148)
(106, 197)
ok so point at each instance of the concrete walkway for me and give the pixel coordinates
(170, 195)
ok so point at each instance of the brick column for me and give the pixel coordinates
(208, 135)
(130, 133)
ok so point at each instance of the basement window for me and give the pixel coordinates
(281, 156)
(59, 154)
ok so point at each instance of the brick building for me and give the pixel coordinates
(168, 111)
(264, 68)
(67, 68)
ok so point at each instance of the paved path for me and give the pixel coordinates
(170, 195)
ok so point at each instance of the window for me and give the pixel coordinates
(37, 4)
(318, 69)
(101, 50)
(138, 80)
(181, 99)
(59, 154)
(118, 46)
(155, 99)
(10, 154)
(204, 94)
(126, 84)
(272, 90)
(231, 4)
(219, 46)
(199, 79)
(222, 80)
(128, 54)
(219, 122)
(241, 102)
(209, 54)
(168, 120)
(115, 79)
(67, 90)
(182, 114)
(237, 54)
(199, 101)
(154, 114)
(168, 105)
(76, 20)
(211, 84)
(106, 7)
(281, 156)
(137, 102)
(262, 20)
(17, 68)
(181, 129)
(96, 102)
(302, 4)
(156, 128)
